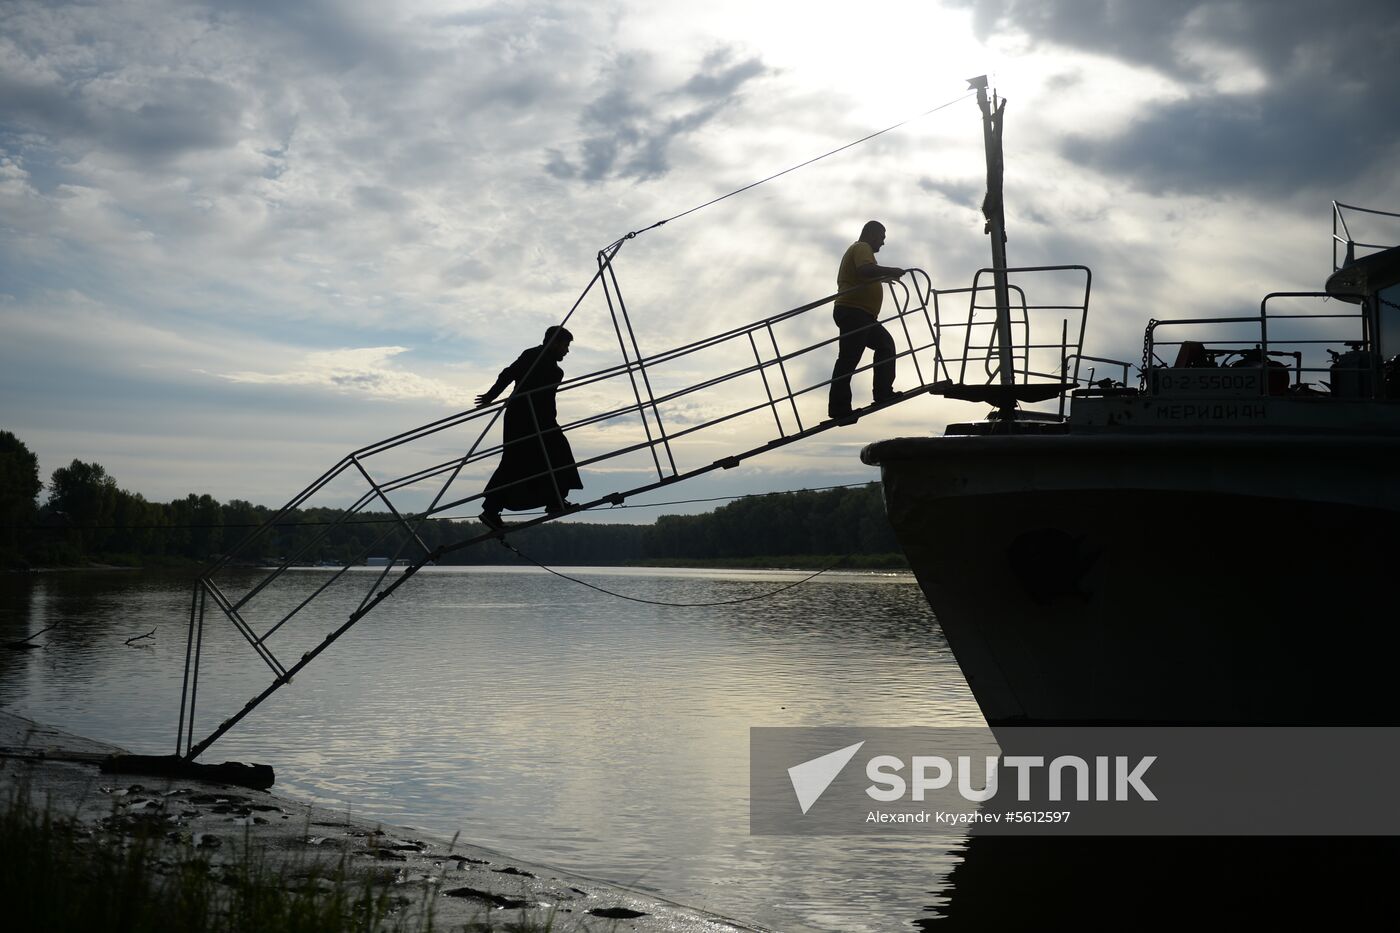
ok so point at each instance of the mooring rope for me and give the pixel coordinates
(656, 602)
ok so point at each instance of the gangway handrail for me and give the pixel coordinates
(461, 417)
(668, 355)
(913, 295)
(476, 453)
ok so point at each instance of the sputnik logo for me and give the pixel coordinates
(811, 778)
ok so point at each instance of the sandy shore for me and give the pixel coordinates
(464, 883)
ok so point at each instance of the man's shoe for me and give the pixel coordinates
(882, 398)
(493, 521)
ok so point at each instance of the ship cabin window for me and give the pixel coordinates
(1388, 338)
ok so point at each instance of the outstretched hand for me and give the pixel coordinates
(483, 399)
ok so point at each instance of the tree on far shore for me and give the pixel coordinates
(19, 487)
(85, 497)
(88, 517)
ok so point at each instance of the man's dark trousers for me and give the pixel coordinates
(858, 331)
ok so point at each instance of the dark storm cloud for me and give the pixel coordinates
(628, 131)
(1324, 113)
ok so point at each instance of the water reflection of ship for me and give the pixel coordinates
(1211, 546)
(1171, 883)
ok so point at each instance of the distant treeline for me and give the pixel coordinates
(88, 518)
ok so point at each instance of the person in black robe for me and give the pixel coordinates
(537, 465)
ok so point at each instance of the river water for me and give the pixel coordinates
(534, 715)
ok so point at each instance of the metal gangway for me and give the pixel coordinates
(650, 421)
(666, 416)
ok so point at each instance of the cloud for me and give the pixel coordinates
(628, 132)
(331, 36)
(961, 193)
(365, 371)
(65, 82)
(329, 162)
(233, 218)
(1262, 143)
(720, 77)
(204, 205)
(1278, 97)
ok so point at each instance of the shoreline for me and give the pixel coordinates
(462, 882)
(856, 563)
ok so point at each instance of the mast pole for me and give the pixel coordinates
(996, 224)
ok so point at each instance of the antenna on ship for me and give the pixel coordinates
(1023, 372)
(992, 209)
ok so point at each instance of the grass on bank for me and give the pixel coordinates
(56, 875)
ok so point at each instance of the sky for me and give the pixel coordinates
(240, 240)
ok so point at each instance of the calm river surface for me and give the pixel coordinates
(534, 715)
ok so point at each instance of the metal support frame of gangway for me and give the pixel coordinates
(1000, 357)
(923, 301)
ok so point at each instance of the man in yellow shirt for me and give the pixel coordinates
(857, 312)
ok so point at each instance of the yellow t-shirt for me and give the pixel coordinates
(871, 291)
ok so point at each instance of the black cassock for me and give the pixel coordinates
(530, 411)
